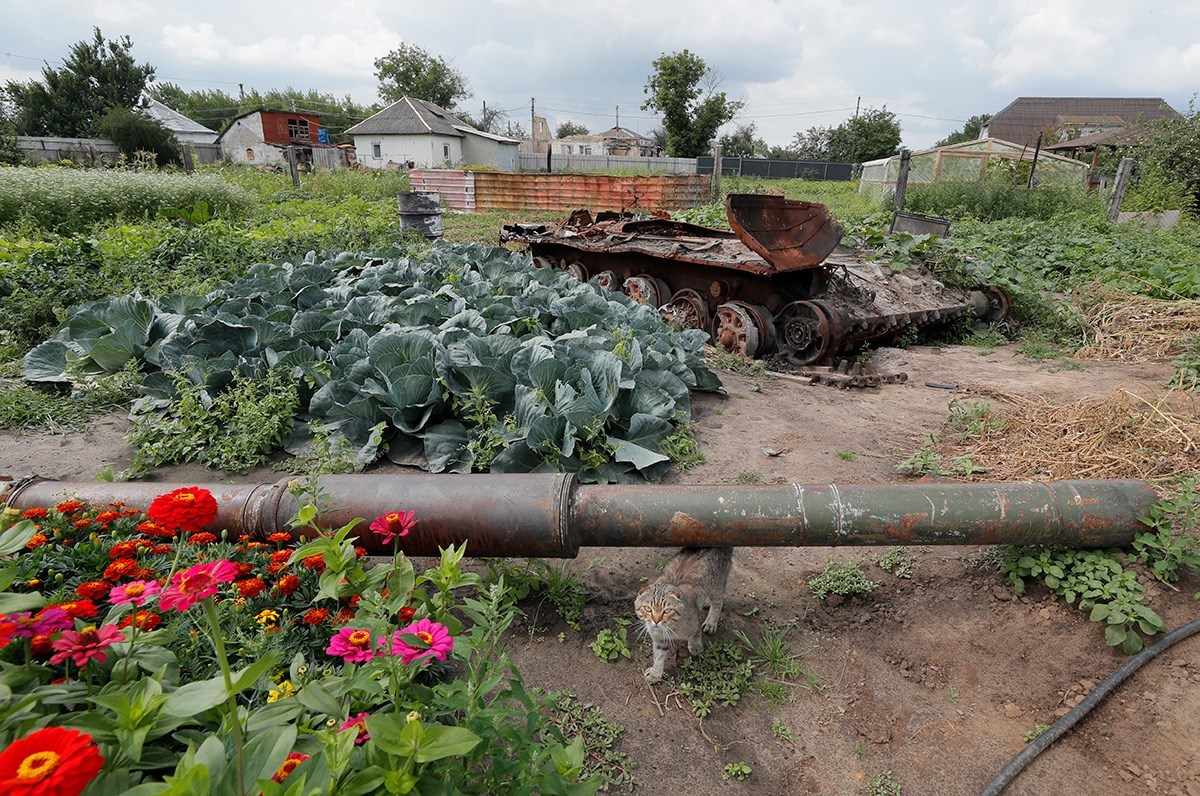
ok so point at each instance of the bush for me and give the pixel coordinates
(66, 200)
(992, 200)
(134, 133)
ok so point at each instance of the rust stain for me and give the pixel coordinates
(684, 528)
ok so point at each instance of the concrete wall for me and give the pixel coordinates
(243, 143)
(478, 150)
(395, 151)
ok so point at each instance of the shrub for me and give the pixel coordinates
(992, 200)
(134, 132)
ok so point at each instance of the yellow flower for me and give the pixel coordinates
(413, 715)
(266, 617)
(240, 602)
(9, 511)
(284, 691)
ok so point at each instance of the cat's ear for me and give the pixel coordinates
(644, 590)
(675, 592)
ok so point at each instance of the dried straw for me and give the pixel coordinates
(1126, 435)
(1136, 329)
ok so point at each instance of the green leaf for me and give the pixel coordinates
(441, 741)
(194, 698)
(15, 537)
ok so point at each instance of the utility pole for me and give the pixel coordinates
(856, 107)
(532, 126)
(484, 120)
(618, 116)
(242, 92)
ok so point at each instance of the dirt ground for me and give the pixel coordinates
(937, 678)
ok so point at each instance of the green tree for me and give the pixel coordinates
(744, 142)
(210, 107)
(684, 90)
(870, 135)
(812, 144)
(134, 132)
(570, 128)
(409, 71)
(970, 130)
(95, 76)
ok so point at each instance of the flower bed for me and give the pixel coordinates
(146, 653)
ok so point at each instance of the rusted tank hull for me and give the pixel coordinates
(552, 516)
(775, 286)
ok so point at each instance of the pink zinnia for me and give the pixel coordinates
(436, 638)
(393, 524)
(47, 620)
(190, 587)
(359, 724)
(136, 592)
(82, 646)
(352, 644)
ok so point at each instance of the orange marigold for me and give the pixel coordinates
(35, 514)
(316, 562)
(69, 507)
(288, 584)
(36, 541)
(93, 589)
(280, 537)
(204, 537)
(126, 549)
(121, 568)
(315, 616)
(187, 509)
(144, 619)
(105, 517)
(251, 587)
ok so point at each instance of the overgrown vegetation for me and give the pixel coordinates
(843, 578)
(600, 737)
(525, 577)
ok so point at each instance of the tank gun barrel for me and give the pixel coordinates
(552, 515)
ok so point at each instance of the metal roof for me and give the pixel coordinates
(411, 116)
(172, 119)
(1025, 117)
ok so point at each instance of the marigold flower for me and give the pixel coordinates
(121, 568)
(52, 760)
(69, 507)
(203, 537)
(79, 609)
(288, 584)
(405, 614)
(285, 691)
(200, 581)
(359, 724)
(82, 524)
(280, 556)
(352, 644)
(144, 573)
(251, 587)
(267, 617)
(93, 589)
(280, 537)
(81, 646)
(135, 592)
(161, 550)
(285, 770)
(360, 552)
(316, 562)
(154, 530)
(35, 514)
(107, 517)
(343, 616)
(186, 509)
(315, 616)
(145, 620)
(36, 541)
(126, 549)
(393, 524)
(243, 568)
(436, 639)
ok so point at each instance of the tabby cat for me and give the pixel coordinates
(671, 607)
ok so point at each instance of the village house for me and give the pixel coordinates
(1060, 119)
(414, 133)
(185, 130)
(614, 141)
(262, 136)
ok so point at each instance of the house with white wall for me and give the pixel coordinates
(185, 130)
(413, 133)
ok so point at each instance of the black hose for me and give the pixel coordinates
(1060, 727)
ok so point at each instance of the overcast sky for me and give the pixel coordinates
(794, 64)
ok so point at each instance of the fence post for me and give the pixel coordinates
(1118, 194)
(902, 179)
(716, 182)
(291, 159)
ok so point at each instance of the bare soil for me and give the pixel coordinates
(937, 678)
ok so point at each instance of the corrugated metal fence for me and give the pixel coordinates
(561, 193)
(530, 162)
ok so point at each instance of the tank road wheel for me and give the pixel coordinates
(806, 332)
(577, 270)
(744, 328)
(542, 261)
(999, 303)
(607, 280)
(687, 309)
(645, 289)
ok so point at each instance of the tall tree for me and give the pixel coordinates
(570, 128)
(409, 71)
(684, 90)
(970, 130)
(95, 76)
(812, 144)
(872, 134)
(489, 120)
(744, 142)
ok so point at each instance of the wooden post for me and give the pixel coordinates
(716, 180)
(1037, 149)
(291, 159)
(902, 180)
(1118, 194)
(185, 152)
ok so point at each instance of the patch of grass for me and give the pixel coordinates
(28, 407)
(924, 461)
(719, 675)
(1172, 542)
(739, 771)
(896, 560)
(682, 448)
(611, 643)
(776, 666)
(974, 420)
(1187, 367)
(882, 784)
(846, 456)
(860, 750)
(732, 361)
(525, 577)
(601, 738)
(987, 339)
(718, 410)
(843, 578)
(1038, 731)
(1041, 348)
(782, 731)
(748, 477)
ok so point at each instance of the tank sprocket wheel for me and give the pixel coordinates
(577, 270)
(645, 289)
(747, 329)
(687, 309)
(807, 332)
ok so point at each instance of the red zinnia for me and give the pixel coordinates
(41, 644)
(81, 646)
(251, 587)
(53, 761)
(35, 514)
(79, 609)
(293, 759)
(93, 589)
(288, 584)
(68, 507)
(315, 616)
(187, 509)
(393, 524)
(145, 620)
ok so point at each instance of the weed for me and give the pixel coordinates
(1187, 367)
(600, 735)
(682, 448)
(965, 466)
(739, 771)
(1173, 539)
(37, 408)
(748, 477)
(719, 675)
(909, 337)
(562, 637)
(844, 578)
(882, 784)
(525, 577)
(610, 644)
(1040, 348)
(774, 663)
(986, 339)
(951, 695)
(974, 420)
(859, 749)
(718, 410)
(846, 456)
(896, 560)
(1037, 732)
(924, 461)
(740, 395)
(782, 731)
(735, 362)
(327, 454)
